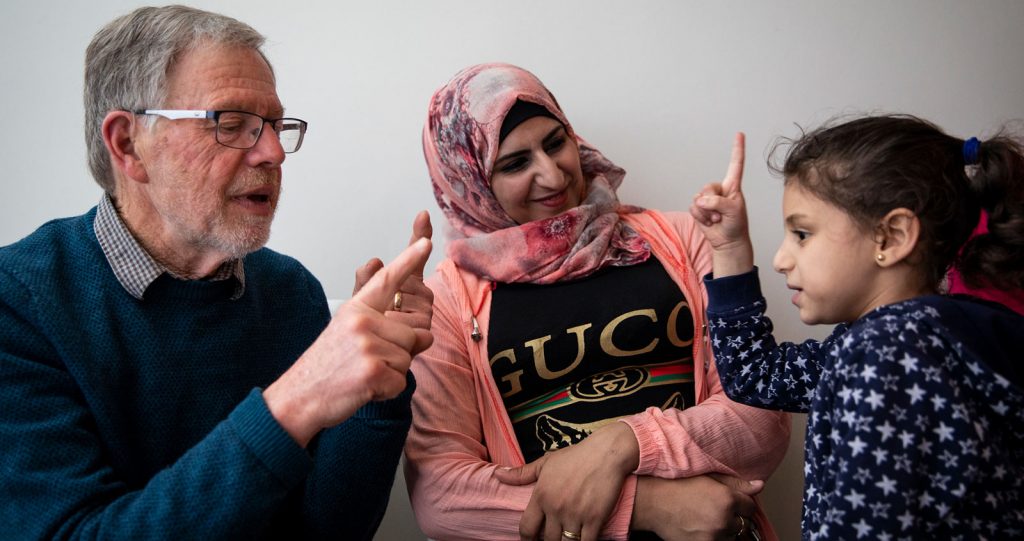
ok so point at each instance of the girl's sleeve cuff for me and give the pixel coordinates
(730, 293)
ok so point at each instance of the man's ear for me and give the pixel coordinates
(896, 234)
(119, 136)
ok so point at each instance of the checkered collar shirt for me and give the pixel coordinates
(134, 268)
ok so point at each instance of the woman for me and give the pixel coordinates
(558, 312)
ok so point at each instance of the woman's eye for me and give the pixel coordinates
(554, 144)
(513, 165)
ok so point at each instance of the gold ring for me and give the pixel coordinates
(396, 305)
(571, 535)
(744, 526)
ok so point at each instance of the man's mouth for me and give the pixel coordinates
(258, 201)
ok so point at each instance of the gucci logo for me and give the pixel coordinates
(617, 382)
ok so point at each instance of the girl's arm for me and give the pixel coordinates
(718, 434)
(754, 368)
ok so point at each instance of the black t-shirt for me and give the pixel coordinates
(571, 357)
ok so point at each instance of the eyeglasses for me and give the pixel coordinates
(239, 129)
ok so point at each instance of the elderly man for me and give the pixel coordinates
(161, 374)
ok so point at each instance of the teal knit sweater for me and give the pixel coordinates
(128, 419)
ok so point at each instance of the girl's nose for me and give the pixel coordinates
(782, 262)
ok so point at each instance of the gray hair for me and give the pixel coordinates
(129, 59)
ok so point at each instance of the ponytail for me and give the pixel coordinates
(996, 258)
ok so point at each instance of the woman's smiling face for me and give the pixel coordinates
(537, 174)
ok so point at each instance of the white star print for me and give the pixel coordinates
(916, 393)
(909, 363)
(944, 432)
(857, 446)
(887, 430)
(907, 438)
(863, 530)
(887, 485)
(876, 400)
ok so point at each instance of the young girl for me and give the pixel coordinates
(915, 401)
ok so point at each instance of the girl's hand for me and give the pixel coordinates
(721, 213)
(577, 487)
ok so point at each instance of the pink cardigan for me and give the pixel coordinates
(461, 431)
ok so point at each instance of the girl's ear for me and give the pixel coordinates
(896, 234)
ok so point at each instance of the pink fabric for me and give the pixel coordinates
(1013, 300)
(460, 143)
(461, 431)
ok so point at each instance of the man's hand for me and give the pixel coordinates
(361, 355)
(417, 307)
(721, 213)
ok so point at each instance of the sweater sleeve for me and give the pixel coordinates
(714, 436)
(449, 471)
(354, 466)
(754, 368)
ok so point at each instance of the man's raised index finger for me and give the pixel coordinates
(379, 292)
(421, 229)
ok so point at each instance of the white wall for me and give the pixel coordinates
(659, 86)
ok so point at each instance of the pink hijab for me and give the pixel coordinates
(460, 143)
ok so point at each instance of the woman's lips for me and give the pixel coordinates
(554, 201)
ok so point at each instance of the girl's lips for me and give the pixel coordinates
(796, 297)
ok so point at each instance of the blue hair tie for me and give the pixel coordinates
(971, 147)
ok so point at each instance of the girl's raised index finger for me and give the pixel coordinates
(734, 176)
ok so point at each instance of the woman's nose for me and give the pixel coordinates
(547, 173)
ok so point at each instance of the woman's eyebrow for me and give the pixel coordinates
(513, 154)
(551, 134)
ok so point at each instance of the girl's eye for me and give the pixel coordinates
(801, 235)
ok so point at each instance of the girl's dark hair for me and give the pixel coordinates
(871, 165)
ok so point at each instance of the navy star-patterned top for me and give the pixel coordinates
(916, 412)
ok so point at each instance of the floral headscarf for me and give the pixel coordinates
(460, 143)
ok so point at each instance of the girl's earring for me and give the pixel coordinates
(880, 257)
